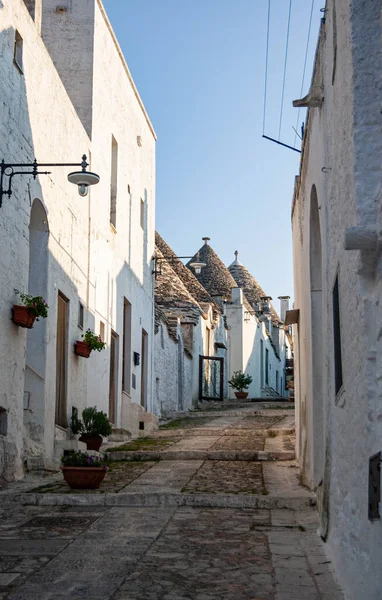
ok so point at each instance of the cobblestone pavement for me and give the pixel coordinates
(172, 550)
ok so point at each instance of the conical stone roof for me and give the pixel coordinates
(172, 296)
(186, 275)
(214, 277)
(251, 288)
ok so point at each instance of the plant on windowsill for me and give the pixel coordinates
(82, 471)
(90, 342)
(29, 311)
(93, 427)
(239, 381)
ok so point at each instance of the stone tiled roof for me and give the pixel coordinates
(215, 276)
(172, 297)
(251, 288)
(197, 291)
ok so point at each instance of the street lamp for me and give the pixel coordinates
(197, 264)
(81, 178)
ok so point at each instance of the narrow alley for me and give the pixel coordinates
(208, 507)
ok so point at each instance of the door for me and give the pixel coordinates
(144, 368)
(113, 377)
(261, 364)
(61, 359)
(211, 377)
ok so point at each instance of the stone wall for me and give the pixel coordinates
(338, 432)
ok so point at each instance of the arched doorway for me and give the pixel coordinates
(315, 263)
(34, 382)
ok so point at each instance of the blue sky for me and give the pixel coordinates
(199, 67)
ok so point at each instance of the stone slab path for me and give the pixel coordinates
(186, 528)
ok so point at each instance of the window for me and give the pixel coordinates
(277, 381)
(142, 216)
(266, 366)
(3, 421)
(18, 52)
(102, 330)
(337, 338)
(126, 350)
(113, 182)
(81, 311)
(61, 359)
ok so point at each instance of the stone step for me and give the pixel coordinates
(240, 455)
(272, 432)
(291, 501)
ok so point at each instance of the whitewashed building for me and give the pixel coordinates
(188, 325)
(258, 343)
(66, 90)
(336, 217)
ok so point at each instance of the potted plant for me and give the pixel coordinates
(90, 342)
(93, 427)
(239, 381)
(82, 471)
(27, 313)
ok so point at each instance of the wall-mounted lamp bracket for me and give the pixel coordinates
(197, 264)
(81, 178)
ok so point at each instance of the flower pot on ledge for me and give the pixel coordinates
(93, 442)
(82, 349)
(85, 478)
(23, 316)
(241, 395)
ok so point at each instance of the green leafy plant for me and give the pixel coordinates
(94, 422)
(239, 381)
(36, 304)
(81, 459)
(93, 341)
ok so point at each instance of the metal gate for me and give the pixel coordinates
(211, 377)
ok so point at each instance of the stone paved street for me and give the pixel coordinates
(196, 529)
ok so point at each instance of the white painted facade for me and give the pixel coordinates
(75, 250)
(336, 222)
(251, 351)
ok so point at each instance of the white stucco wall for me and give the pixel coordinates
(87, 259)
(246, 336)
(338, 434)
(172, 373)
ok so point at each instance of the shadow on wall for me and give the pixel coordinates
(14, 235)
(39, 366)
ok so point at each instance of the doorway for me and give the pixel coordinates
(316, 392)
(144, 369)
(62, 359)
(113, 377)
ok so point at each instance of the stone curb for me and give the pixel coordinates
(164, 499)
(273, 432)
(231, 455)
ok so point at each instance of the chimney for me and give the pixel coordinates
(284, 306)
(206, 240)
(237, 295)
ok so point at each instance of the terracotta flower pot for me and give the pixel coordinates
(241, 395)
(93, 442)
(82, 349)
(83, 478)
(23, 316)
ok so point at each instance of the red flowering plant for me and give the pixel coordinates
(36, 304)
(93, 341)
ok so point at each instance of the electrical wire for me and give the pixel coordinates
(285, 66)
(266, 64)
(303, 73)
